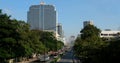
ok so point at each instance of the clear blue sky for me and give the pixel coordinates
(71, 13)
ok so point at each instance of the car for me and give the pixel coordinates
(44, 58)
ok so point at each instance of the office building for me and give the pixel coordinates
(42, 17)
(85, 23)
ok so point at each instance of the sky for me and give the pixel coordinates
(105, 14)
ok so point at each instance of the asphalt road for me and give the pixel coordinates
(69, 58)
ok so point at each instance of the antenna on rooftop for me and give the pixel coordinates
(42, 2)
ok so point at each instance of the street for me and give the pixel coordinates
(69, 58)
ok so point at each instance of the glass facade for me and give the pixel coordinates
(42, 17)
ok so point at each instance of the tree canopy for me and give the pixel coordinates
(17, 40)
(90, 48)
(87, 46)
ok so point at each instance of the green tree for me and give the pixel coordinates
(89, 44)
(59, 45)
(36, 44)
(49, 40)
(17, 40)
(90, 31)
(12, 38)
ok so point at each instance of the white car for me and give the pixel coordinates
(44, 58)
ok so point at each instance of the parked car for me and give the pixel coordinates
(44, 58)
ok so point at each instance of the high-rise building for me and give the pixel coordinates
(61, 36)
(87, 23)
(60, 31)
(42, 17)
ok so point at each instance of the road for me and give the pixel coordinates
(69, 58)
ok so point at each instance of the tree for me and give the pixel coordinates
(90, 31)
(49, 40)
(36, 44)
(12, 38)
(17, 40)
(59, 45)
(89, 44)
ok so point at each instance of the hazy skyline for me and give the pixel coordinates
(105, 14)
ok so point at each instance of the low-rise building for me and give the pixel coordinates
(110, 34)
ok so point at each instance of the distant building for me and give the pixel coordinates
(110, 34)
(108, 30)
(60, 30)
(85, 23)
(42, 17)
(79, 35)
(72, 40)
(61, 36)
